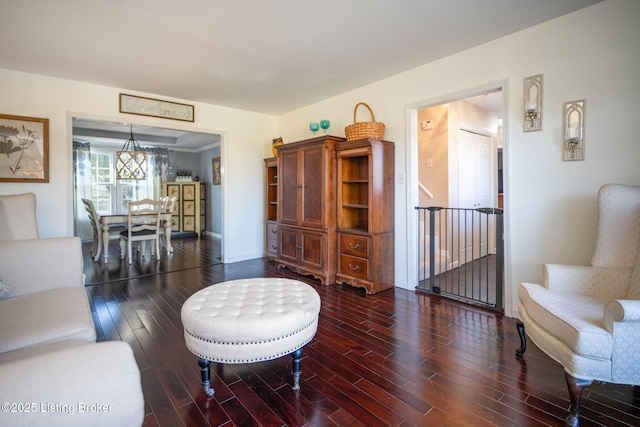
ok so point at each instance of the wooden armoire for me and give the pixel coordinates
(334, 210)
(306, 207)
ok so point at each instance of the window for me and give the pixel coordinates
(110, 194)
(102, 180)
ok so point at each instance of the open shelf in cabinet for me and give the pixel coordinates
(354, 212)
(272, 191)
(365, 204)
(355, 169)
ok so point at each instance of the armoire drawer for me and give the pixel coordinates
(355, 267)
(272, 230)
(272, 247)
(354, 245)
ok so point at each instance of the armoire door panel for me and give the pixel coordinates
(312, 249)
(288, 192)
(288, 244)
(313, 184)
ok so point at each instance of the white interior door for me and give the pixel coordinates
(475, 191)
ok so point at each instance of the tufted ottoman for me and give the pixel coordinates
(250, 320)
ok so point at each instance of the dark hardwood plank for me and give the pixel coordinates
(396, 358)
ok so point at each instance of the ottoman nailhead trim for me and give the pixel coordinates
(251, 342)
(259, 359)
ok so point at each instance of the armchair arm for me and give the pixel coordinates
(34, 265)
(622, 320)
(586, 280)
(621, 311)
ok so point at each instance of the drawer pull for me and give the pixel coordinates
(352, 246)
(274, 231)
(274, 247)
(356, 268)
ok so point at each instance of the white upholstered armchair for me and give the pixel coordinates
(587, 318)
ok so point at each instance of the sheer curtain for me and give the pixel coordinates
(81, 188)
(157, 169)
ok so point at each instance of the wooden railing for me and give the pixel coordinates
(425, 190)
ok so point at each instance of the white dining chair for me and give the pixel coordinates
(169, 205)
(143, 224)
(94, 219)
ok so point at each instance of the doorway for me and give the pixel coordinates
(455, 161)
(183, 150)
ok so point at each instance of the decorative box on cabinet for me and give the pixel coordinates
(190, 208)
(365, 211)
(271, 208)
(306, 207)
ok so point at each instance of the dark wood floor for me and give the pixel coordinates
(397, 358)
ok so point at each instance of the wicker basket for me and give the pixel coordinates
(359, 130)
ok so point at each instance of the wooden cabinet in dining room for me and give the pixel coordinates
(306, 207)
(189, 213)
(365, 214)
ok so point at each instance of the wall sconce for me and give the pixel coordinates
(533, 103)
(573, 125)
(130, 162)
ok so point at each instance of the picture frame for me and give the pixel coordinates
(150, 107)
(215, 171)
(24, 149)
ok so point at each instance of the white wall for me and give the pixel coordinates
(549, 204)
(246, 138)
(214, 194)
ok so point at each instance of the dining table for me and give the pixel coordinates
(122, 217)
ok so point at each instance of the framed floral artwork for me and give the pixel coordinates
(24, 149)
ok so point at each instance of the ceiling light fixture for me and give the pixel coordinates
(131, 160)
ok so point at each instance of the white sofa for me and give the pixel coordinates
(51, 370)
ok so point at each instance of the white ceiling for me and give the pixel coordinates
(266, 56)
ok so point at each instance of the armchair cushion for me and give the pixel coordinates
(618, 240)
(64, 311)
(18, 217)
(33, 265)
(611, 283)
(576, 320)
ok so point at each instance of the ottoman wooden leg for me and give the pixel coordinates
(296, 356)
(205, 375)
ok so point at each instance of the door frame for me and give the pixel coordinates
(142, 121)
(411, 160)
